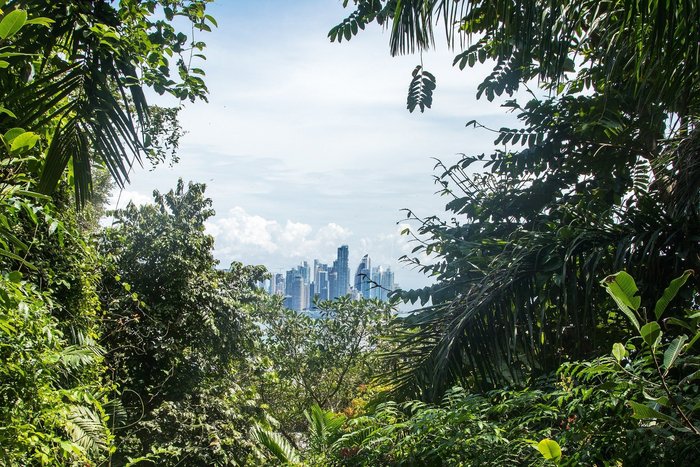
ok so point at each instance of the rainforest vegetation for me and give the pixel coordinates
(563, 322)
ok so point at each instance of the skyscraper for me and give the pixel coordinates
(363, 279)
(279, 284)
(387, 284)
(342, 270)
(332, 284)
(297, 288)
(376, 291)
(321, 285)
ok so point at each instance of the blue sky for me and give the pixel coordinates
(306, 145)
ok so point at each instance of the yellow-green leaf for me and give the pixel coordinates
(26, 140)
(619, 351)
(550, 449)
(12, 22)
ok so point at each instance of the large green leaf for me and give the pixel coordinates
(623, 290)
(644, 412)
(670, 293)
(673, 351)
(26, 140)
(11, 23)
(651, 333)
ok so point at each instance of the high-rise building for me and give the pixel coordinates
(332, 284)
(298, 295)
(321, 286)
(276, 286)
(386, 281)
(305, 272)
(363, 277)
(297, 288)
(303, 284)
(376, 291)
(342, 270)
(279, 284)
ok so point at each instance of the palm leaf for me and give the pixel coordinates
(277, 446)
(86, 429)
(324, 426)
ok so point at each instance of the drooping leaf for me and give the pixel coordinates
(40, 20)
(651, 333)
(420, 91)
(670, 293)
(277, 446)
(623, 290)
(673, 351)
(644, 412)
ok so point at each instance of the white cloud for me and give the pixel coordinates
(120, 198)
(251, 238)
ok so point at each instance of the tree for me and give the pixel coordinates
(177, 333)
(320, 360)
(605, 178)
(71, 89)
(79, 84)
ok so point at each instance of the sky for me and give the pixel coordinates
(306, 145)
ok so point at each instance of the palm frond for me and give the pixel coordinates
(86, 429)
(277, 446)
(324, 426)
(75, 357)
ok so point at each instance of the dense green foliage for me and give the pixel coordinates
(177, 333)
(601, 176)
(52, 385)
(52, 399)
(127, 345)
(71, 90)
(80, 83)
(322, 360)
(635, 406)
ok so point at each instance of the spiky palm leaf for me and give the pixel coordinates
(519, 263)
(523, 305)
(86, 429)
(632, 39)
(324, 427)
(277, 446)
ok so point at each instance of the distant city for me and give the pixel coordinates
(301, 286)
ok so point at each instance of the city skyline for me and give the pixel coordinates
(301, 286)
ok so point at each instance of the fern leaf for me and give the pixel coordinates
(420, 91)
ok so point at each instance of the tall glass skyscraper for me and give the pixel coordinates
(363, 279)
(342, 271)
